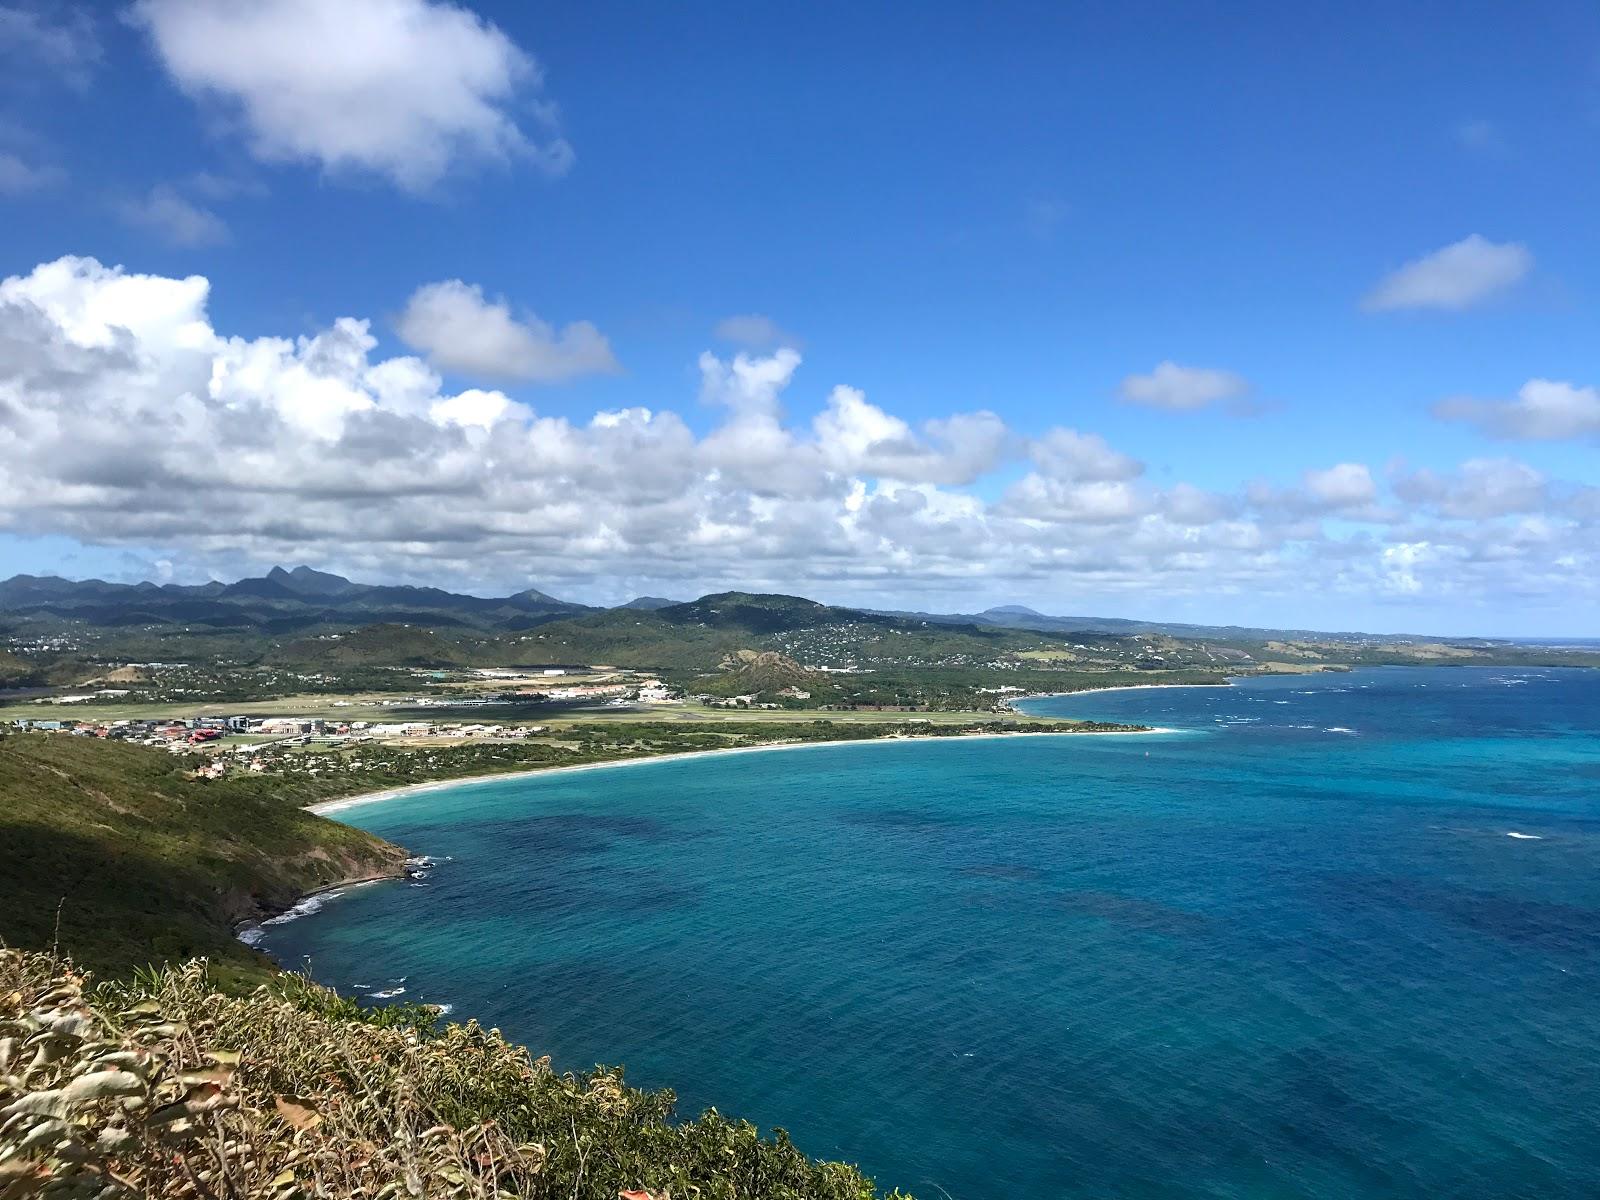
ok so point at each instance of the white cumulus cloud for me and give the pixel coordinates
(405, 89)
(1543, 410)
(1480, 488)
(1458, 276)
(1180, 388)
(460, 330)
(1345, 485)
(859, 438)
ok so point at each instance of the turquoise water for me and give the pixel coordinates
(1289, 951)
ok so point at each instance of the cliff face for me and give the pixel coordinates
(117, 857)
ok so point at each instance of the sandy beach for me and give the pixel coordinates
(1132, 687)
(329, 807)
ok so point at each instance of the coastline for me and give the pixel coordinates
(248, 930)
(1129, 687)
(326, 808)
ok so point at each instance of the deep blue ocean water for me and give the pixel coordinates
(1292, 950)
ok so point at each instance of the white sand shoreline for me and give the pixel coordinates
(329, 807)
(1131, 687)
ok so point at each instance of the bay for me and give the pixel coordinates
(1334, 936)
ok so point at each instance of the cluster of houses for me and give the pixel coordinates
(183, 734)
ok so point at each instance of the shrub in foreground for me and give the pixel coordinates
(165, 1087)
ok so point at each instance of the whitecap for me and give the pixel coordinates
(304, 908)
(389, 993)
(313, 903)
(1338, 729)
(1524, 837)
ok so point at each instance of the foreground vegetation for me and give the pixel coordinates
(165, 1087)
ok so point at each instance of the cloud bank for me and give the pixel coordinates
(128, 420)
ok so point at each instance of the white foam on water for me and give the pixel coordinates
(1338, 729)
(389, 993)
(304, 908)
(1524, 837)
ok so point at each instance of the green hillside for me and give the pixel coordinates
(385, 645)
(701, 635)
(625, 638)
(16, 671)
(754, 612)
(113, 853)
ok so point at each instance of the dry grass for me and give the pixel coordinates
(166, 1088)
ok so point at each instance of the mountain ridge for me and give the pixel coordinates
(302, 599)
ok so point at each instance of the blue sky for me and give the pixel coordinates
(1018, 210)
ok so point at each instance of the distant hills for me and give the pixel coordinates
(1016, 616)
(302, 600)
(279, 602)
(300, 627)
(649, 603)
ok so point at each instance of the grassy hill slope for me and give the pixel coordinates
(113, 851)
(700, 635)
(388, 645)
(625, 638)
(16, 671)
